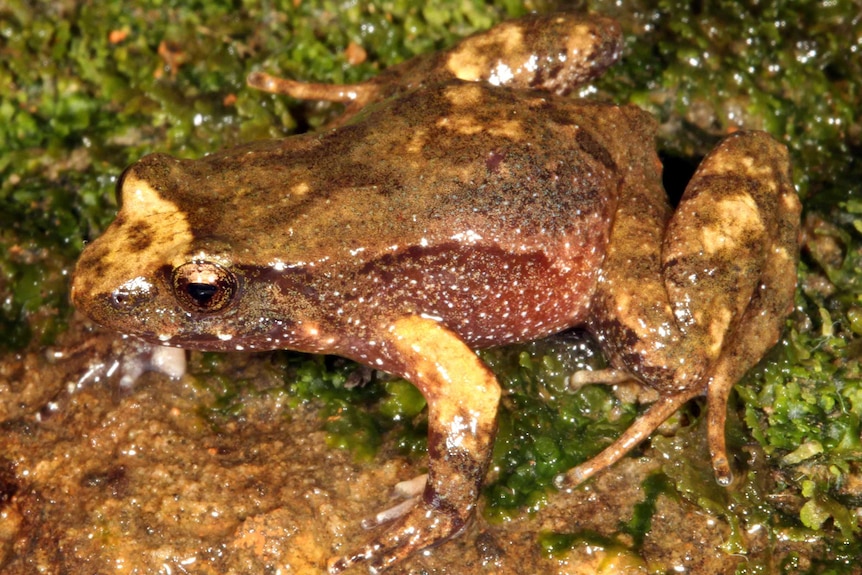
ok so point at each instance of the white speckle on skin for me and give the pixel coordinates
(500, 75)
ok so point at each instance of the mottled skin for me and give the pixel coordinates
(446, 214)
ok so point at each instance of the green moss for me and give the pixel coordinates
(615, 556)
(786, 67)
(640, 523)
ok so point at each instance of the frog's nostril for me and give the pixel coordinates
(131, 294)
(119, 298)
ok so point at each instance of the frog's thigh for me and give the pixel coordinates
(729, 262)
(462, 396)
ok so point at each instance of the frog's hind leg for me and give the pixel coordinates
(759, 330)
(717, 303)
(763, 320)
(740, 216)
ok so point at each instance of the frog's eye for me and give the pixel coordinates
(204, 287)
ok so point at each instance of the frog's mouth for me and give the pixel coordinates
(141, 309)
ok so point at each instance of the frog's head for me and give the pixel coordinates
(158, 272)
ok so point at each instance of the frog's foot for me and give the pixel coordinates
(639, 431)
(409, 490)
(426, 522)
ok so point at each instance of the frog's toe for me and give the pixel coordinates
(390, 513)
(606, 376)
(312, 91)
(422, 526)
(412, 487)
(410, 490)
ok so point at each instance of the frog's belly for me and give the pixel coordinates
(488, 296)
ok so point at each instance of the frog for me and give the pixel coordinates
(464, 200)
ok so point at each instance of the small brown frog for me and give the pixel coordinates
(462, 202)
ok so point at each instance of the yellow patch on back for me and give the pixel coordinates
(149, 232)
(467, 97)
(300, 189)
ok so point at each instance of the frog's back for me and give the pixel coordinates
(523, 170)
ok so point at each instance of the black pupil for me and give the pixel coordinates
(201, 293)
(203, 287)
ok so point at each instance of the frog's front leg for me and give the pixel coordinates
(462, 396)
